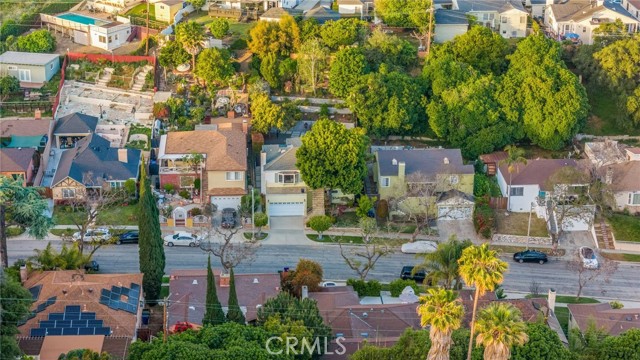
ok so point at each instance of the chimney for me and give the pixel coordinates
(552, 299)
(305, 291)
(224, 280)
(401, 169)
(122, 155)
(24, 274)
(446, 161)
(231, 114)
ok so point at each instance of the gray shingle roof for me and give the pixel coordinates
(451, 17)
(322, 14)
(76, 123)
(489, 5)
(26, 58)
(15, 159)
(425, 161)
(282, 159)
(93, 161)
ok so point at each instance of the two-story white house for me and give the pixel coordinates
(633, 7)
(280, 181)
(578, 19)
(507, 17)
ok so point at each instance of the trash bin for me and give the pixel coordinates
(146, 314)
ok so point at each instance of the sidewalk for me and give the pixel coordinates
(627, 303)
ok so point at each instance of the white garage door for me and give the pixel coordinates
(286, 209)
(454, 212)
(223, 202)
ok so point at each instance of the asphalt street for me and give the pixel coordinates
(624, 284)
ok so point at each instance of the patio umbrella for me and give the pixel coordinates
(572, 36)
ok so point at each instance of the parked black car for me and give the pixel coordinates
(530, 256)
(92, 266)
(130, 237)
(408, 274)
(229, 218)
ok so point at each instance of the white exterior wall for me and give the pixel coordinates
(267, 177)
(449, 31)
(622, 202)
(518, 203)
(537, 10)
(515, 25)
(350, 9)
(118, 34)
(631, 9)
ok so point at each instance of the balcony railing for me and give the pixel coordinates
(178, 170)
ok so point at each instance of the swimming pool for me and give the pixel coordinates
(79, 18)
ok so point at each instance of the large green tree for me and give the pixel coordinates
(8, 85)
(15, 302)
(312, 61)
(151, 250)
(403, 13)
(219, 27)
(348, 65)
(281, 38)
(267, 115)
(542, 95)
(442, 311)
(214, 66)
(24, 207)
(391, 50)
(213, 312)
(480, 47)
(442, 264)
(500, 327)
(234, 313)
(39, 41)
(343, 32)
(172, 55)
(543, 343)
(191, 35)
(332, 156)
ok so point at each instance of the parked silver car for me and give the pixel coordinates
(182, 239)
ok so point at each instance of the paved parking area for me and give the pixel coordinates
(286, 223)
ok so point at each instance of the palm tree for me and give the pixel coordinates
(442, 264)
(191, 35)
(481, 268)
(500, 327)
(443, 311)
(515, 156)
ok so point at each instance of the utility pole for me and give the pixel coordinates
(431, 13)
(4, 258)
(253, 216)
(146, 51)
(164, 320)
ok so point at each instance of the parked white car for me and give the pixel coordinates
(589, 258)
(182, 239)
(93, 235)
(419, 247)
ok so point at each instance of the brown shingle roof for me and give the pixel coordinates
(494, 157)
(24, 127)
(466, 295)
(625, 176)
(226, 150)
(188, 290)
(15, 159)
(53, 346)
(613, 321)
(84, 290)
(535, 172)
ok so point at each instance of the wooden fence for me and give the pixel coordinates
(498, 203)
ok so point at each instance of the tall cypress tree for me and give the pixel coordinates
(152, 259)
(213, 314)
(234, 313)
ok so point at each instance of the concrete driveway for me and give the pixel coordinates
(463, 229)
(286, 223)
(576, 239)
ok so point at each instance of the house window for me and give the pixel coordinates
(116, 36)
(453, 179)
(514, 33)
(116, 184)
(566, 27)
(68, 193)
(517, 191)
(504, 19)
(12, 67)
(523, 19)
(51, 66)
(234, 175)
(485, 16)
(634, 199)
(102, 39)
(584, 29)
(287, 178)
(161, 7)
(109, 39)
(385, 181)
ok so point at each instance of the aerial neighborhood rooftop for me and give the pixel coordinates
(320, 179)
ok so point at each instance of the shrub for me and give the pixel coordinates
(616, 305)
(185, 194)
(484, 219)
(365, 288)
(169, 188)
(196, 211)
(383, 209)
(396, 286)
(309, 273)
(320, 223)
(14, 231)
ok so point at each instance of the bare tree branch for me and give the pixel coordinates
(363, 258)
(229, 249)
(585, 276)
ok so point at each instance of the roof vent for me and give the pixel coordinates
(192, 308)
(446, 161)
(255, 281)
(364, 315)
(394, 162)
(628, 318)
(195, 282)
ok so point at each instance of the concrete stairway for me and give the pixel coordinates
(138, 83)
(603, 234)
(105, 77)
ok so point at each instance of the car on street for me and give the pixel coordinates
(589, 258)
(229, 218)
(92, 266)
(407, 273)
(530, 256)
(93, 235)
(419, 247)
(182, 239)
(130, 237)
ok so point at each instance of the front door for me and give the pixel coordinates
(24, 75)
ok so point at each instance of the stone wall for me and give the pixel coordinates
(516, 239)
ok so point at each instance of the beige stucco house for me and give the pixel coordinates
(166, 9)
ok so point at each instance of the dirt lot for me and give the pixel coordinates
(64, 44)
(516, 224)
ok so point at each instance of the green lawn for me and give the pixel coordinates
(141, 11)
(568, 299)
(517, 223)
(625, 227)
(248, 235)
(347, 219)
(63, 217)
(562, 313)
(622, 257)
(240, 28)
(119, 215)
(605, 113)
(63, 232)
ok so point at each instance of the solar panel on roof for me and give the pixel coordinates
(63, 323)
(105, 292)
(125, 291)
(41, 307)
(132, 301)
(115, 296)
(114, 304)
(104, 300)
(79, 323)
(35, 292)
(134, 294)
(103, 331)
(72, 316)
(87, 316)
(38, 332)
(51, 300)
(135, 286)
(86, 331)
(70, 331)
(94, 323)
(56, 316)
(72, 309)
(131, 308)
(54, 331)
(116, 289)
(47, 323)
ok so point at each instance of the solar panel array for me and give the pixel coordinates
(121, 298)
(50, 301)
(35, 292)
(72, 322)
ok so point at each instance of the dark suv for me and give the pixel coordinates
(407, 274)
(92, 266)
(128, 237)
(530, 256)
(229, 217)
